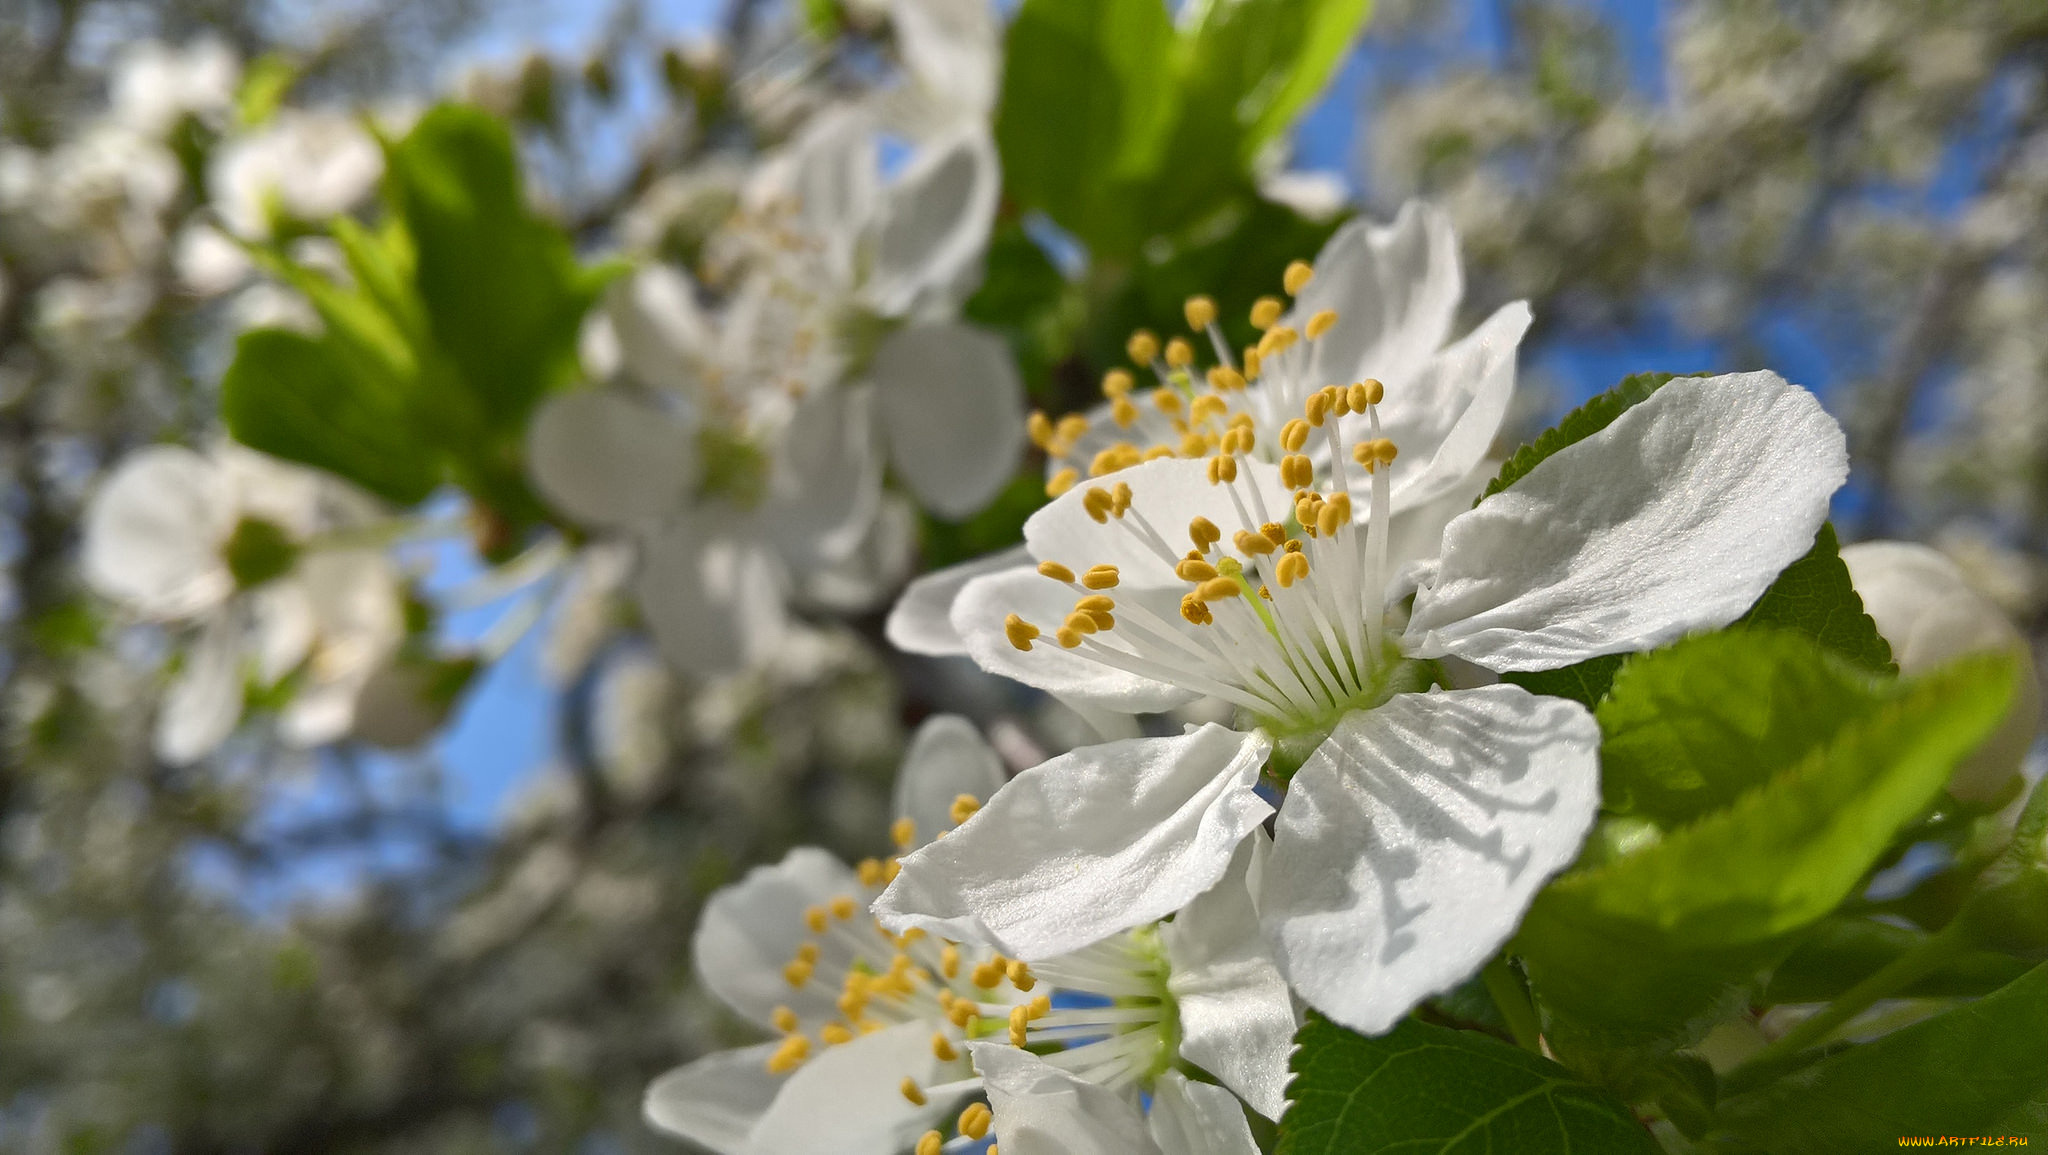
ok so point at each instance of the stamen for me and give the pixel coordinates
(1321, 323)
(964, 807)
(784, 1020)
(1265, 313)
(930, 1143)
(942, 1048)
(903, 832)
(1061, 482)
(1143, 347)
(915, 1094)
(1101, 577)
(1179, 354)
(1056, 571)
(974, 1121)
(1297, 277)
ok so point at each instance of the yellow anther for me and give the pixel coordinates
(1266, 311)
(1067, 637)
(854, 999)
(942, 1048)
(1179, 354)
(1243, 421)
(961, 1013)
(975, 1120)
(1096, 603)
(1386, 451)
(1294, 435)
(1222, 470)
(1110, 460)
(1100, 577)
(808, 952)
(1192, 570)
(890, 870)
(815, 919)
(1224, 379)
(1194, 445)
(835, 1034)
(1204, 533)
(1305, 511)
(1340, 400)
(1020, 1024)
(1201, 312)
(1317, 409)
(1331, 518)
(1274, 532)
(1117, 383)
(1167, 401)
(915, 1094)
(870, 871)
(1080, 623)
(1020, 632)
(1121, 496)
(949, 962)
(1098, 502)
(1062, 482)
(1293, 567)
(1374, 391)
(963, 808)
(1195, 610)
(1297, 471)
(1217, 589)
(1320, 324)
(1039, 426)
(1055, 571)
(930, 1143)
(1142, 347)
(784, 1019)
(902, 832)
(1157, 452)
(1039, 1006)
(1252, 362)
(790, 1055)
(1297, 277)
(1073, 427)
(986, 974)
(1206, 406)
(843, 907)
(1020, 975)
(1123, 412)
(1277, 340)
(903, 941)
(1293, 545)
(1252, 543)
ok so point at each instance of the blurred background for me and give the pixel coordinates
(472, 933)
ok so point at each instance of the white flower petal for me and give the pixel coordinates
(713, 603)
(947, 758)
(1041, 1110)
(984, 602)
(609, 460)
(830, 173)
(1190, 1118)
(848, 1099)
(1674, 518)
(827, 486)
(952, 411)
(282, 627)
(153, 533)
(935, 221)
(716, 1101)
(921, 622)
(1090, 843)
(953, 49)
(1415, 836)
(204, 702)
(750, 930)
(660, 333)
(1236, 1016)
(1169, 493)
(1443, 419)
(1395, 289)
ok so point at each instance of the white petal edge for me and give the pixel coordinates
(1414, 838)
(921, 621)
(1041, 1110)
(1674, 518)
(751, 929)
(660, 333)
(947, 758)
(715, 1101)
(608, 459)
(1395, 289)
(935, 220)
(952, 411)
(1090, 843)
(153, 533)
(984, 603)
(1190, 1118)
(848, 1099)
(203, 703)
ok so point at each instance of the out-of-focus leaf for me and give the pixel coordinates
(306, 400)
(265, 84)
(1841, 952)
(1959, 1072)
(1699, 913)
(1584, 682)
(999, 525)
(1424, 1088)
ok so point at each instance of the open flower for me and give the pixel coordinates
(1377, 304)
(1416, 826)
(227, 544)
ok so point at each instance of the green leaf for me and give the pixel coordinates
(504, 296)
(1087, 101)
(1814, 597)
(1691, 727)
(1700, 912)
(265, 84)
(1959, 1072)
(999, 525)
(1840, 952)
(1583, 682)
(1427, 1090)
(308, 401)
(1578, 425)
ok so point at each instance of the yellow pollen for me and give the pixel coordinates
(1062, 482)
(1297, 277)
(1359, 396)
(1055, 571)
(1305, 511)
(1039, 427)
(1039, 1006)
(1320, 324)
(1080, 623)
(790, 1055)
(1266, 312)
(949, 962)
(1193, 570)
(1204, 533)
(1067, 638)
(1118, 456)
(930, 1143)
(1020, 1023)
(1179, 354)
(843, 907)
(784, 1020)
(942, 1048)
(1316, 409)
(1296, 471)
(1157, 452)
(1206, 406)
(1277, 340)
(1225, 379)
(915, 1094)
(961, 1013)
(1096, 603)
(1374, 391)
(815, 919)
(1217, 589)
(808, 952)
(1294, 435)
(1331, 518)
(1071, 428)
(903, 832)
(1167, 401)
(835, 1034)
(1293, 567)
(1222, 470)
(853, 1000)
(1272, 531)
(1340, 400)
(1142, 347)
(1100, 577)
(1201, 312)
(1252, 543)
(1020, 975)
(964, 808)
(1194, 445)
(890, 870)
(1020, 632)
(1123, 412)
(1251, 362)
(1195, 610)
(870, 871)
(974, 1121)
(986, 974)
(1098, 502)
(1117, 383)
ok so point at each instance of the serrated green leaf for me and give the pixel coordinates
(1691, 727)
(1584, 682)
(1700, 912)
(1840, 952)
(1578, 425)
(1959, 1072)
(305, 400)
(1814, 597)
(1428, 1090)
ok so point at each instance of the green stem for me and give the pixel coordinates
(1928, 956)
(1513, 1001)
